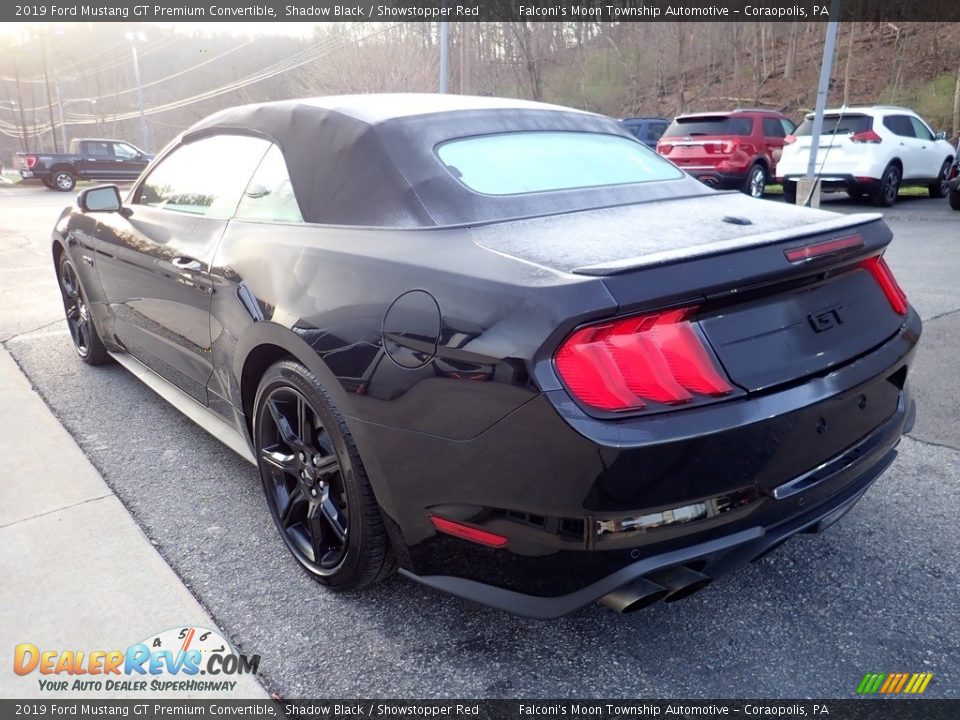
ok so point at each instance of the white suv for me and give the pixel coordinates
(868, 151)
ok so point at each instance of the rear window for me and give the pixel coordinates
(719, 125)
(531, 162)
(837, 125)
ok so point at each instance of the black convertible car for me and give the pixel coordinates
(499, 345)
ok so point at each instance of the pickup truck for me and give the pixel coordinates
(88, 159)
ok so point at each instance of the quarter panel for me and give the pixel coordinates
(331, 287)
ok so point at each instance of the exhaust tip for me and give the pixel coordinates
(687, 591)
(634, 596)
(681, 582)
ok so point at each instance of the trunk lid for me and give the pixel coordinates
(795, 332)
(768, 320)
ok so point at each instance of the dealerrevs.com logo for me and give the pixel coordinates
(185, 659)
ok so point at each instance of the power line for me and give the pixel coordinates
(298, 59)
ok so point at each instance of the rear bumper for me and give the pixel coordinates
(714, 178)
(588, 504)
(834, 181)
(714, 558)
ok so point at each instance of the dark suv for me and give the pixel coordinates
(736, 149)
(647, 130)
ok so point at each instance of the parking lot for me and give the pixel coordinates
(878, 592)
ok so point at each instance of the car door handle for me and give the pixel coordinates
(187, 263)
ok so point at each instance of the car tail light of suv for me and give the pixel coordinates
(632, 362)
(867, 136)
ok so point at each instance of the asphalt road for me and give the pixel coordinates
(879, 592)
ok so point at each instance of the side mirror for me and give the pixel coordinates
(105, 198)
(942, 135)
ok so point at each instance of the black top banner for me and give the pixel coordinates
(482, 10)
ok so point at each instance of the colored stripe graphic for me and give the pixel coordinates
(889, 682)
(894, 683)
(903, 681)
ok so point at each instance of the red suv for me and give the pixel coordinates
(736, 149)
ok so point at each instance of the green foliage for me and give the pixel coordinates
(932, 100)
(597, 84)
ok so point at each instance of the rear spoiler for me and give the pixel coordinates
(840, 225)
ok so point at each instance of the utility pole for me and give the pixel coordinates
(808, 189)
(466, 57)
(23, 120)
(63, 124)
(444, 54)
(46, 81)
(144, 139)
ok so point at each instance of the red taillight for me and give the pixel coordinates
(789, 139)
(808, 252)
(891, 288)
(954, 171)
(867, 136)
(625, 364)
(664, 148)
(31, 161)
(468, 532)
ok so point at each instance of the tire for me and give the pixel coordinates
(756, 181)
(83, 332)
(885, 194)
(954, 198)
(790, 192)
(63, 180)
(315, 484)
(939, 189)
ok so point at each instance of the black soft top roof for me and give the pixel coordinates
(369, 160)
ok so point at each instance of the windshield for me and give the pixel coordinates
(717, 125)
(531, 162)
(836, 124)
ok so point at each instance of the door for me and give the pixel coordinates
(774, 135)
(154, 264)
(129, 162)
(931, 156)
(909, 150)
(96, 159)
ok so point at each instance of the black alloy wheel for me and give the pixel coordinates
(941, 187)
(790, 192)
(314, 482)
(954, 198)
(86, 341)
(886, 193)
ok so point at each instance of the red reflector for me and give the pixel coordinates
(31, 161)
(868, 136)
(624, 364)
(808, 252)
(468, 532)
(891, 288)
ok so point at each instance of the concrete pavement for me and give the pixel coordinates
(78, 572)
